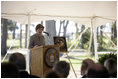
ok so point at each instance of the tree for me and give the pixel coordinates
(12, 27)
(114, 32)
(20, 35)
(60, 28)
(77, 30)
(4, 37)
(101, 37)
(26, 30)
(82, 39)
(65, 24)
(85, 38)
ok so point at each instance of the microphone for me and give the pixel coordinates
(46, 33)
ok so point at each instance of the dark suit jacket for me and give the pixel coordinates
(25, 74)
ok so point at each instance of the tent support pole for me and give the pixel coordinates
(28, 51)
(71, 64)
(90, 42)
(28, 34)
(95, 41)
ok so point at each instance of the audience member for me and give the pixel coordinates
(111, 66)
(97, 71)
(9, 70)
(19, 60)
(53, 74)
(62, 67)
(85, 65)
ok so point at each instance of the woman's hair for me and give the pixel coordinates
(39, 26)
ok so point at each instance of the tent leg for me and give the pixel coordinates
(28, 52)
(71, 65)
(95, 41)
(28, 34)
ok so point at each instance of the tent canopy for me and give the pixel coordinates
(79, 11)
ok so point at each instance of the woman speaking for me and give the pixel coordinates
(37, 39)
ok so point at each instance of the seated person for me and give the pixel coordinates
(85, 65)
(62, 67)
(19, 60)
(97, 71)
(53, 74)
(111, 66)
(9, 70)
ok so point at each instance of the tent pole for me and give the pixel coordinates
(28, 33)
(28, 51)
(90, 40)
(95, 41)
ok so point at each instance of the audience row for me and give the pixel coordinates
(16, 68)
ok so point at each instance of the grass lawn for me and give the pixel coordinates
(15, 43)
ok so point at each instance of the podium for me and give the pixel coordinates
(42, 59)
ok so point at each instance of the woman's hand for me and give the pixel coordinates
(35, 46)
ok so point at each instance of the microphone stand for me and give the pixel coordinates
(49, 41)
(48, 37)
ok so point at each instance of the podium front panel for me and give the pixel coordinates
(43, 58)
(37, 61)
(49, 51)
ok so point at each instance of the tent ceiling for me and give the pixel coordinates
(78, 11)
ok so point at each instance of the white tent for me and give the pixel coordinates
(79, 11)
(89, 13)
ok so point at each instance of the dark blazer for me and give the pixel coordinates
(25, 74)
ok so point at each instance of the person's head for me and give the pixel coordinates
(9, 70)
(62, 67)
(53, 74)
(39, 28)
(111, 65)
(18, 59)
(97, 71)
(85, 65)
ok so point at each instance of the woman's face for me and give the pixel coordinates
(39, 31)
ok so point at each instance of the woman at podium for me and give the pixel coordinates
(37, 39)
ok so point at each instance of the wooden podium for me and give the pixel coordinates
(42, 59)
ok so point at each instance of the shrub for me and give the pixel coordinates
(103, 57)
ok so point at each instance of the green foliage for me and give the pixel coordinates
(105, 44)
(102, 43)
(85, 39)
(69, 43)
(11, 25)
(113, 24)
(115, 40)
(103, 57)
